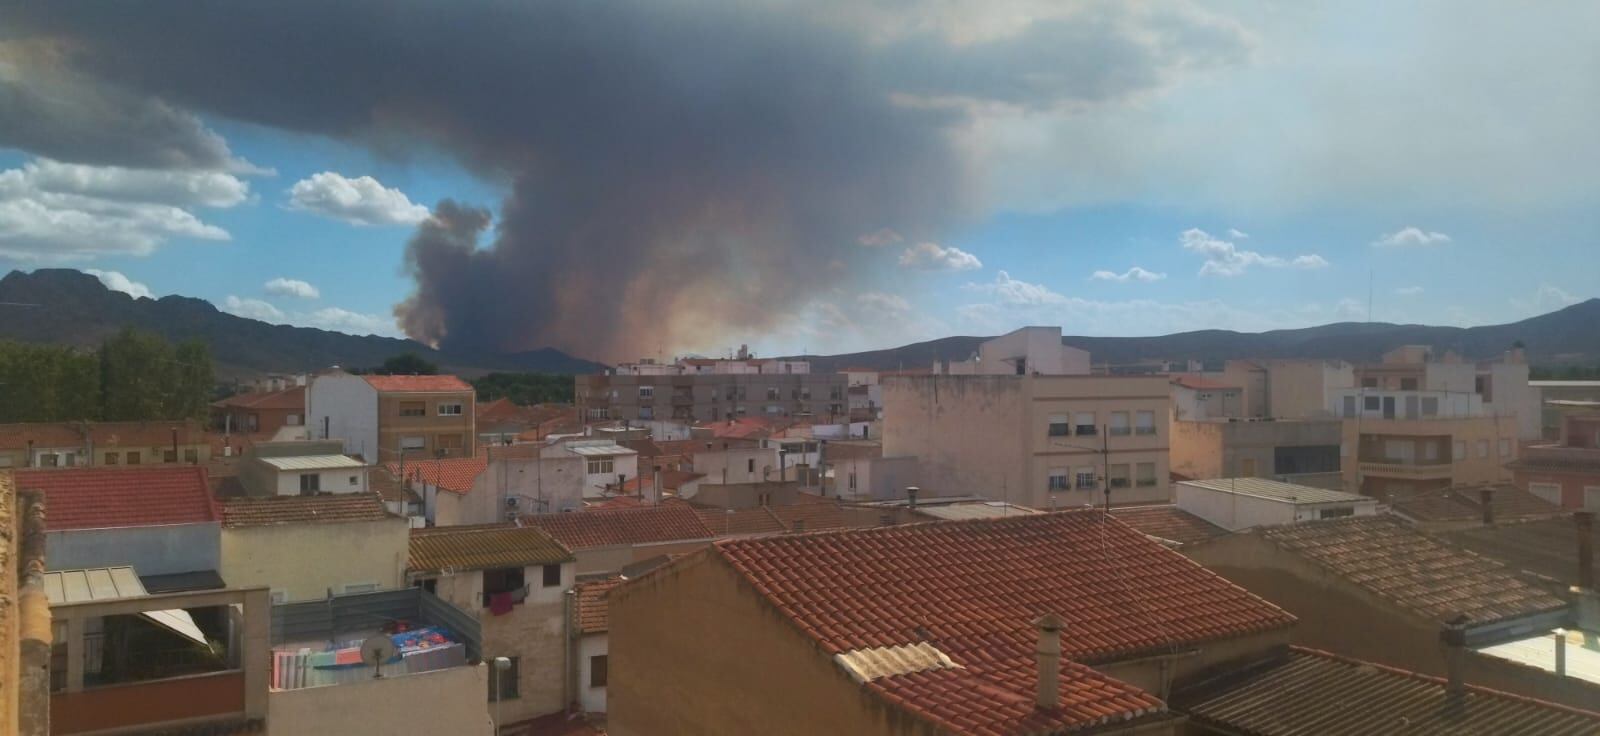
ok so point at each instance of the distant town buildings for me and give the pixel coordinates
(711, 390)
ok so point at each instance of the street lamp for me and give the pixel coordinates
(501, 664)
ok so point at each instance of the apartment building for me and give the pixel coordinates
(260, 412)
(382, 417)
(80, 444)
(704, 389)
(1566, 472)
(1022, 352)
(1039, 440)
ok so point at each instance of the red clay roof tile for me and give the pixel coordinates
(591, 528)
(1167, 521)
(593, 609)
(454, 474)
(104, 498)
(328, 508)
(417, 384)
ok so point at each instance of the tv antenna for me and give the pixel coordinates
(376, 650)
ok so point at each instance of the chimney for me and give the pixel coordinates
(1486, 499)
(1454, 638)
(799, 526)
(911, 497)
(1584, 520)
(1561, 651)
(1048, 656)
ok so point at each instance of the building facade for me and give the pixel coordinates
(382, 417)
(1566, 472)
(1041, 441)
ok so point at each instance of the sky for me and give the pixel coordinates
(653, 179)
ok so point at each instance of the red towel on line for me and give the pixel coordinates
(500, 604)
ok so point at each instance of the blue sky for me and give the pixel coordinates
(1438, 161)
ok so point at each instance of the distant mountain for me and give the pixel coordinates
(75, 308)
(1570, 335)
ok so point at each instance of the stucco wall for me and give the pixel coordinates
(964, 430)
(534, 632)
(345, 407)
(592, 699)
(151, 550)
(686, 637)
(304, 561)
(330, 481)
(447, 701)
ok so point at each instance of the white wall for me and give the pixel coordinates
(592, 699)
(452, 700)
(332, 481)
(736, 463)
(305, 561)
(1513, 395)
(1236, 511)
(349, 406)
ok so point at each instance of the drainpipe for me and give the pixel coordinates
(569, 654)
(1486, 498)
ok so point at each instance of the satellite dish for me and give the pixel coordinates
(376, 650)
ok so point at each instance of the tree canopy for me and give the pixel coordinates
(525, 388)
(132, 376)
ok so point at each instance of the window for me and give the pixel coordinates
(597, 670)
(1119, 475)
(1144, 422)
(1408, 384)
(310, 483)
(772, 394)
(1059, 426)
(852, 480)
(1460, 450)
(1119, 424)
(133, 457)
(191, 457)
(750, 465)
(355, 480)
(450, 410)
(1505, 448)
(1591, 497)
(552, 576)
(1548, 491)
(1349, 407)
(1430, 406)
(292, 420)
(1085, 422)
(1484, 386)
(448, 441)
(1430, 451)
(359, 587)
(1336, 512)
(1369, 403)
(502, 580)
(503, 685)
(1483, 448)
(169, 456)
(647, 393)
(1145, 476)
(1086, 479)
(805, 394)
(278, 597)
(601, 465)
(1369, 383)
(647, 412)
(413, 408)
(111, 458)
(1058, 480)
(413, 443)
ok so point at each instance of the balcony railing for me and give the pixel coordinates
(1409, 470)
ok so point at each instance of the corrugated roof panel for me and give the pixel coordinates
(599, 450)
(313, 462)
(1276, 490)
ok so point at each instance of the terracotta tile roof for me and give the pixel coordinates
(591, 528)
(1313, 692)
(1201, 383)
(482, 547)
(1466, 504)
(616, 502)
(972, 589)
(102, 498)
(287, 399)
(1543, 548)
(1167, 521)
(326, 508)
(1413, 570)
(151, 434)
(417, 384)
(671, 480)
(741, 522)
(593, 609)
(455, 474)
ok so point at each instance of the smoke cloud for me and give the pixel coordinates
(678, 172)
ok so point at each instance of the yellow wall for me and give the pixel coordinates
(1470, 470)
(392, 426)
(305, 560)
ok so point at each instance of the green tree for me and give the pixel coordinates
(525, 388)
(192, 382)
(407, 364)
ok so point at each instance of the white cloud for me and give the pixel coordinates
(1408, 291)
(53, 212)
(934, 257)
(1238, 234)
(1546, 298)
(355, 323)
(252, 309)
(359, 201)
(1133, 274)
(880, 238)
(1411, 236)
(1016, 293)
(1223, 258)
(884, 302)
(115, 281)
(291, 287)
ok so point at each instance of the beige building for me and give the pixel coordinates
(379, 418)
(1304, 451)
(81, 444)
(308, 547)
(1040, 441)
(1398, 457)
(515, 579)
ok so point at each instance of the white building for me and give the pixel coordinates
(1028, 351)
(606, 463)
(1243, 503)
(592, 627)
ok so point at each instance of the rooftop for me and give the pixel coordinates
(594, 608)
(672, 522)
(313, 462)
(327, 508)
(482, 547)
(1413, 570)
(597, 448)
(103, 434)
(116, 497)
(417, 384)
(455, 474)
(1466, 504)
(1201, 383)
(972, 589)
(1313, 692)
(1544, 548)
(974, 510)
(1273, 490)
(1168, 522)
(292, 398)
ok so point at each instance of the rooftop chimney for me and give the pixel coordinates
(1486, 498)
(911, 497)
(1048, 655)
(1454, 638)
(1584, 520)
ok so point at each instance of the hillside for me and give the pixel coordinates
(75, 308)
(1569, 335)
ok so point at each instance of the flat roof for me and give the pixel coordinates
(599, 450)
(1564, 384)
(1582, 656)
(1274, 490)
(313, 462)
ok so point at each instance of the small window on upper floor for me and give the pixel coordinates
(552, 576)
(450, 410)
(413, 408)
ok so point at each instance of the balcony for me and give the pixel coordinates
(1402, 469)
(1558, 457)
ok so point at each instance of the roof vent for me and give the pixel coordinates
(1048, 655)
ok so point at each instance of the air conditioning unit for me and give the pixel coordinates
(512, 501)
